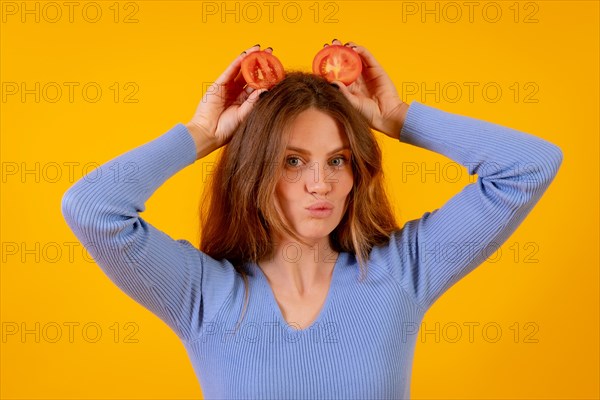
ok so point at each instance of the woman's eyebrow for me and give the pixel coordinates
(304, 151)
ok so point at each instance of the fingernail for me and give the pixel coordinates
(334, 40)
(243, 52)
(346, 44)
(326, 44)
(256, 45)
(335, 85)
(269, 48)
(262, 94)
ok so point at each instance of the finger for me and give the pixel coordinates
(233, 69)
(239, 80)
(336, 42)
(346, 92)
(249, 90)
(249, 103)
(242, 95)
(366, 54)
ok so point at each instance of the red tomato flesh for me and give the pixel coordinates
(337, 62)
(262, 69)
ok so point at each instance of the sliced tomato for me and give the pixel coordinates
(337, 62)
(262, 69)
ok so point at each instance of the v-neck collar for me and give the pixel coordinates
(324, 308)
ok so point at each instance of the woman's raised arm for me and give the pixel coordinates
(429, 255)
(171, 278)
(102, 209)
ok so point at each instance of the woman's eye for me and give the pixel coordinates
(291, 159)
(336, 162)
(341, 161)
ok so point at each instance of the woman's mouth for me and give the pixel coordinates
(320, 212)
(321, 209)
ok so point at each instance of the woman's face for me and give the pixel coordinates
(316, 169)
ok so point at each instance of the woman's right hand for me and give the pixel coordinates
(373, 94)
(223, 107)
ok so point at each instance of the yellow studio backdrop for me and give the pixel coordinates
(83, 82)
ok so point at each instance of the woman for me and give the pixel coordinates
(287, 299)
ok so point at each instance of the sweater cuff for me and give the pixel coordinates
(180, 145)
(411, 127)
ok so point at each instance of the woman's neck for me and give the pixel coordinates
(297, 269)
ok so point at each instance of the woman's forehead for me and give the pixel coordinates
(316, 139)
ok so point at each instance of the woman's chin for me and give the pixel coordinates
(314, 235)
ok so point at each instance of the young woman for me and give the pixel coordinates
(304, 285)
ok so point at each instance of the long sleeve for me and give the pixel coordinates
(430, 254)
(171, 278)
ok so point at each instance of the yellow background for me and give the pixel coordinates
(170, 55)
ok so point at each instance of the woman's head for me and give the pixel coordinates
(316, 170)
(262, 183)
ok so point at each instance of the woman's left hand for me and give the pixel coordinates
(374, 95)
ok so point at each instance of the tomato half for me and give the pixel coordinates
(337, 62)
(262, 69)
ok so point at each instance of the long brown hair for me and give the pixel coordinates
(241, 218)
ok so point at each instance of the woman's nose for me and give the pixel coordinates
(319, 178)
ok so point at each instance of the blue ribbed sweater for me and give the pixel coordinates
(361, 345)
